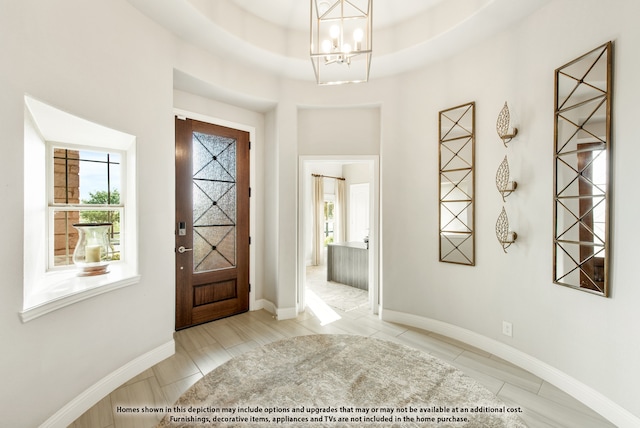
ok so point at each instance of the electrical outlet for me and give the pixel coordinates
(507, 328)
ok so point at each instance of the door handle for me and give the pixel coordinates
(182, 249)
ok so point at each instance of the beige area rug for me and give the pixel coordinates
(339, 296)
(338, 381)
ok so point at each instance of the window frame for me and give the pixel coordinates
(54, 207)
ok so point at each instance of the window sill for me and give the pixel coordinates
(60, 289)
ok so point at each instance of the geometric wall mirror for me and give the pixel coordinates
(582, 172)
(457, 184)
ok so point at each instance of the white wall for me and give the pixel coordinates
(589, 338)
(108, 63)
(592, 339)
(99, 61)
(339, 131)
(356, 173)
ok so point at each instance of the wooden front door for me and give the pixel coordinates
(212, 222)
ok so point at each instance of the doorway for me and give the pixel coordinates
(366, 235)
(212, 222)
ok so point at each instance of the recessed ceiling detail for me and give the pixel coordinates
(274, 36)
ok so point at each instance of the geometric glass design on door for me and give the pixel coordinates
(582, 140)
(214, 202)
(457, 184)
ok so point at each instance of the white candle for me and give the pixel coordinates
(92, 253)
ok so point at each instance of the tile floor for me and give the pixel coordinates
(334, 294)
(201, 349)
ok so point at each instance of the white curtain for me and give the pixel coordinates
(340, 213)
(318, 220)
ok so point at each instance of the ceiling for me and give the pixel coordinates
(294, 14)
(274, 35)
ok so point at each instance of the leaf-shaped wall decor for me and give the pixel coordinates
(502, 125)
(502, 175)
(502, 226)
(505, 237)
(505, 187)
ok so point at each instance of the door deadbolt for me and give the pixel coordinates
(182, 228)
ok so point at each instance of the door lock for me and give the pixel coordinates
(182, 249)
(182, 228)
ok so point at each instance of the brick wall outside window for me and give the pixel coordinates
(66, 190)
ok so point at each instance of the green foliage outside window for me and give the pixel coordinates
(328, 210)
(102, 197)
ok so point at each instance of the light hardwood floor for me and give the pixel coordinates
(201, 349)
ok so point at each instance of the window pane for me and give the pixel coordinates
(65, 236)
(93, 182)
(115, 178)
(328, 222)
(66, 178)
(86, 177)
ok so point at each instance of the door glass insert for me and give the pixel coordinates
(214, 202)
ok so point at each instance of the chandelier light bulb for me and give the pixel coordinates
(346, 48)
(326, 46)
(358, 34)
(357, 37)
(334, 31)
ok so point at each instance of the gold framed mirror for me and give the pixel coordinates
(457, 184)
(582, 172)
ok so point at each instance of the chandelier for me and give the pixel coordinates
(341, 40)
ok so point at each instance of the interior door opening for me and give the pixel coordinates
(338, 239)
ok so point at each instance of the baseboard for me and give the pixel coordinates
(581, 392)
(280, 313)
(264, 304)
(83, 402)
(286, 313)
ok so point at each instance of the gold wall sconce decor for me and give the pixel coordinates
(505, 131)
(503, 183)
(504, 235)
